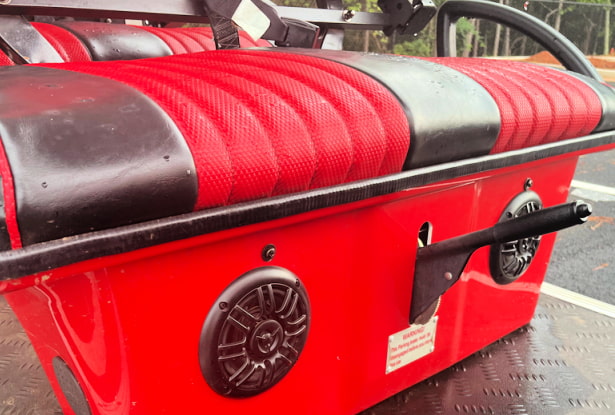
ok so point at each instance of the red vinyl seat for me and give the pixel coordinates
(262, 123)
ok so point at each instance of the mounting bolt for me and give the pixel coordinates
(347, 15)
(223, 306)
(268, 252)
(528, 184)
(448, 276)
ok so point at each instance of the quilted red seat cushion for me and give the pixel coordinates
(251, 124)
(197, 39)
(64, 42)
(537, 104)
(263, 123)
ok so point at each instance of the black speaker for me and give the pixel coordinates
(255, 332)
(511, 259)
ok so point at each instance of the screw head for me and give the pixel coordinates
(448, 276)
(348, 15)
(528, 184)
(268, 252)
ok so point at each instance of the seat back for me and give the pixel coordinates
(77, 41)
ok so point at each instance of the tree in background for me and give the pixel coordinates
(585, 22)
(423, 44)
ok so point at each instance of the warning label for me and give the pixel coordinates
(411, 344)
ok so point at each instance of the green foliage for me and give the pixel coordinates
(582, 23)
(376, 41)
(417, 47)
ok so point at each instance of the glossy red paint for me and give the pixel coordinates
(129, 325)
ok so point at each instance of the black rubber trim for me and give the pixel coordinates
(108, 42)
(49, 255)
(443, 106)
(89, 153)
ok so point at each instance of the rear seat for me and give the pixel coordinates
(129, 141)
(78, 41)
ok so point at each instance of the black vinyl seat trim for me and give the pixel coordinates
(107, 42)
(89, 153)
(451, 116)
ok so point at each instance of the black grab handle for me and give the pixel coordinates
(563, 49)
(439, 266)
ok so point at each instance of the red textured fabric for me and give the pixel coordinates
(198, 39)
(10, 204)
(537, 104)
(181, 42)
(245, 41)
(5, 61)
(68, 46)
(263, 123)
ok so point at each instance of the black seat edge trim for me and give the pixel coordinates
(98, 154)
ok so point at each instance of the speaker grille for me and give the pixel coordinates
(255, 332)
(511, 259)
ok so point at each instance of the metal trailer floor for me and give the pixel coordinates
(563, 362)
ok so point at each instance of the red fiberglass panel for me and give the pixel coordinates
(263, 123)
(538, 105)
(356, 263)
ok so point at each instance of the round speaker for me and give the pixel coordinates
(511, 259)
(255, 332)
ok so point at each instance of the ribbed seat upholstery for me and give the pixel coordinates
(250, 124)
(197, 39)
(537, 104)
(264, 123)
(64, 42)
